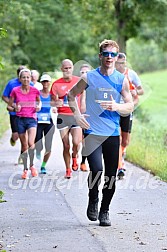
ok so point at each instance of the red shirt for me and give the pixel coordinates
(61, 88)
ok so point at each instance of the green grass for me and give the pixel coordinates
(148, 146)
(4, 118)
(154, 101)
(148, 150)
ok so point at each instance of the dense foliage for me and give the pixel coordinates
(41, 33)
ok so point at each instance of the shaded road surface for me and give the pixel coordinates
(48, 213)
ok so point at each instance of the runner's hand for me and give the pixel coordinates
(58, 102)
(133, 92)
(81, 121)
(18, 108)
(54, 110)
(109, 105)
(38, 107)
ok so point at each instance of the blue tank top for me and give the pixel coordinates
(100, 88)
(44, 115)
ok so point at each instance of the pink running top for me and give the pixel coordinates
(26, 101)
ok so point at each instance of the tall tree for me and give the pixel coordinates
(128, 20)
(42, 33)
(122, 20)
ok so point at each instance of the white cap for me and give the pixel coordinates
(45, 77)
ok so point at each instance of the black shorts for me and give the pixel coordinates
(126, 123)
(25, 123)
(13, 123)
(66, 121)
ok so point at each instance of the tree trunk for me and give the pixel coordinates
(121, 23)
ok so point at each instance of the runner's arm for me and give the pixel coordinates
(11, 105)
(78, 89)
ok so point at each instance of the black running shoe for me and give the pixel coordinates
(92, 210)
(104, 218)
(121, 173)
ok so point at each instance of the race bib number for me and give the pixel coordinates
(103, 94)
(44, 118)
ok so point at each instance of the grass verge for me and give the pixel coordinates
(4, 118)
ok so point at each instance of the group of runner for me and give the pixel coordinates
(93, 102)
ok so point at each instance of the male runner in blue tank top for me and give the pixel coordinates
(104, 87)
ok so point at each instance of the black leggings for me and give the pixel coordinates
(96, 147)
(46, 130)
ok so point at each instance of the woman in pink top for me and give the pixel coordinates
(25, 100)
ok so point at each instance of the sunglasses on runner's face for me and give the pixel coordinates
(106, 54)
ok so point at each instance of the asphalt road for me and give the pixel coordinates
(48, 213)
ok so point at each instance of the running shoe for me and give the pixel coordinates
(121, 173)
(104, 218)
(34, 172)
(12, 142)
(83, 167)
(25, 174)
(43, 170)
(92, 210)
(74, 164)
(68, 174)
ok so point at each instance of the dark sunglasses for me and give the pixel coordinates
(106, 54)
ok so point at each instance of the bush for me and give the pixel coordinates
(145, 56)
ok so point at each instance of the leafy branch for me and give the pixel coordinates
(3, 33)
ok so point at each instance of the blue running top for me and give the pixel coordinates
(100, 88)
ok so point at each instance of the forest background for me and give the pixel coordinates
(40, 33)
